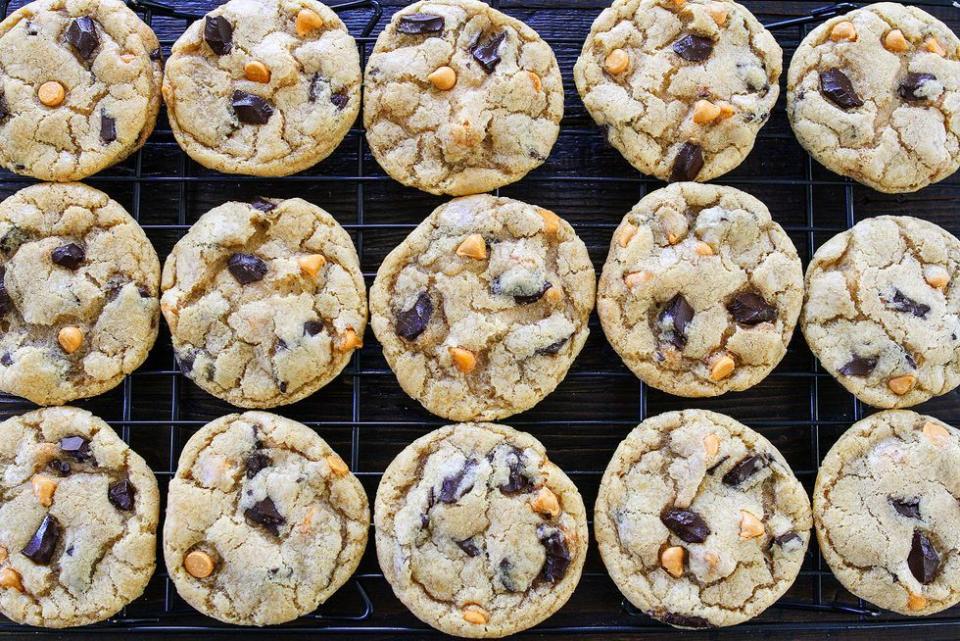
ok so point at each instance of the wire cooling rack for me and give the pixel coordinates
(367, 418)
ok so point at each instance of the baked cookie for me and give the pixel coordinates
(700, 521)
(478, 533)
(682, 88)
(886, 512)
(263, 87)
(701, 290)
(483, 308)
(881, 311)
(78, 519)
(78, 296)
(264, 521)
(79, 87)
(873, 95)
(265, 301)
(460, 98)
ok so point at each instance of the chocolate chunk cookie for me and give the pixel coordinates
(682, 87)
(700, 521)
(886, 511)
(872, 95)
(79, 292)
(460, 98)
(881, 312)
(264, 521)
(79, 87)
(263, 87)
(701, 290)
(265, 301)
(78, 519)
(478, 533)
(483, 308)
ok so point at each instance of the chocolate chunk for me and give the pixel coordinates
(82, 35)
(836, 86)
(312, 328)
(532, 298)
(454, 487)
(687, 163)
(558, 554)
(4, 109)
(6, 303)
(903, 303)
(218, 33)
(6, 360)
(43, 542)
(469, 547)
(256, 462)
(314, 90)
(923, 559)
(785, 538)
(713, 468)
(488, 53)
(185, 363)
(687, 525)
(60, 467)
(744, 469)
(77, 447)
(265, 513)
(678, 314)
(108, 127)
(552, 348)
(412, 322)
(683, 620)
(415, 24)
(748, 308)
(121, 494)
(340, 100)
(262, 204)
(859, 366)
(251, 109)
(693, 48)
(69, 255)
(912, 84)
(283, 387)
(157, 54)
(12, 240)
(909, 508)
(246, 268)
(517, 481)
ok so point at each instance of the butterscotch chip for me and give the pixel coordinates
(617, 62)
(711, 444)
(933, 45)
(70, 339)
(443, 78)
(703, 249)
(916, 602)
(901, 385)
(895, 41)
(936, 276)
(44, 488)
(551, 222)
(51, 93)
(554, 295)
(463, 359)
(935, 432)
(473, 246)
(672, 560)
(307, 22)
(705, 112)
(256, 71)
(311, 264)
(636, 279)
(545, 502)
(475, 614)
(626, 235)
(722, 368)
(337, 466)
(750, 526)
(10, 578)
(3, 554)
(718, 12)
(537, 82)
(843, 31)
(199, 564)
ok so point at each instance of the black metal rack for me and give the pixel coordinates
(367, 418)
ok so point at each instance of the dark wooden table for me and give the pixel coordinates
(366, 417)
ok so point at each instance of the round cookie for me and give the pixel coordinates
(682, 88)
(886, 512)
(460, 98)
(701, 290)
(483, 308)
(264, 521)
(263, 87)
(872, 95)
(79, 87)
(700, 521)
(478, 533)
(79, 293)
(78, 519)
(881, 312)
(265, 301)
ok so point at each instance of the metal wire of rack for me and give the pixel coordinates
(800, 408)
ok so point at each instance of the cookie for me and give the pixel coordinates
(79, 87)
(886, 512)
(265, 301)
(460, 98)
(881, 312)
(682, 88)
(700, 521)
(701, 290)
(78, 519)
(872, 95)
(483, 308)
(263, 87)
(478, 533)
(79, 293)
(264, 521)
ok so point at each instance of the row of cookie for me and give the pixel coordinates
(462, 99)
(699, 520)
(480, 311)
